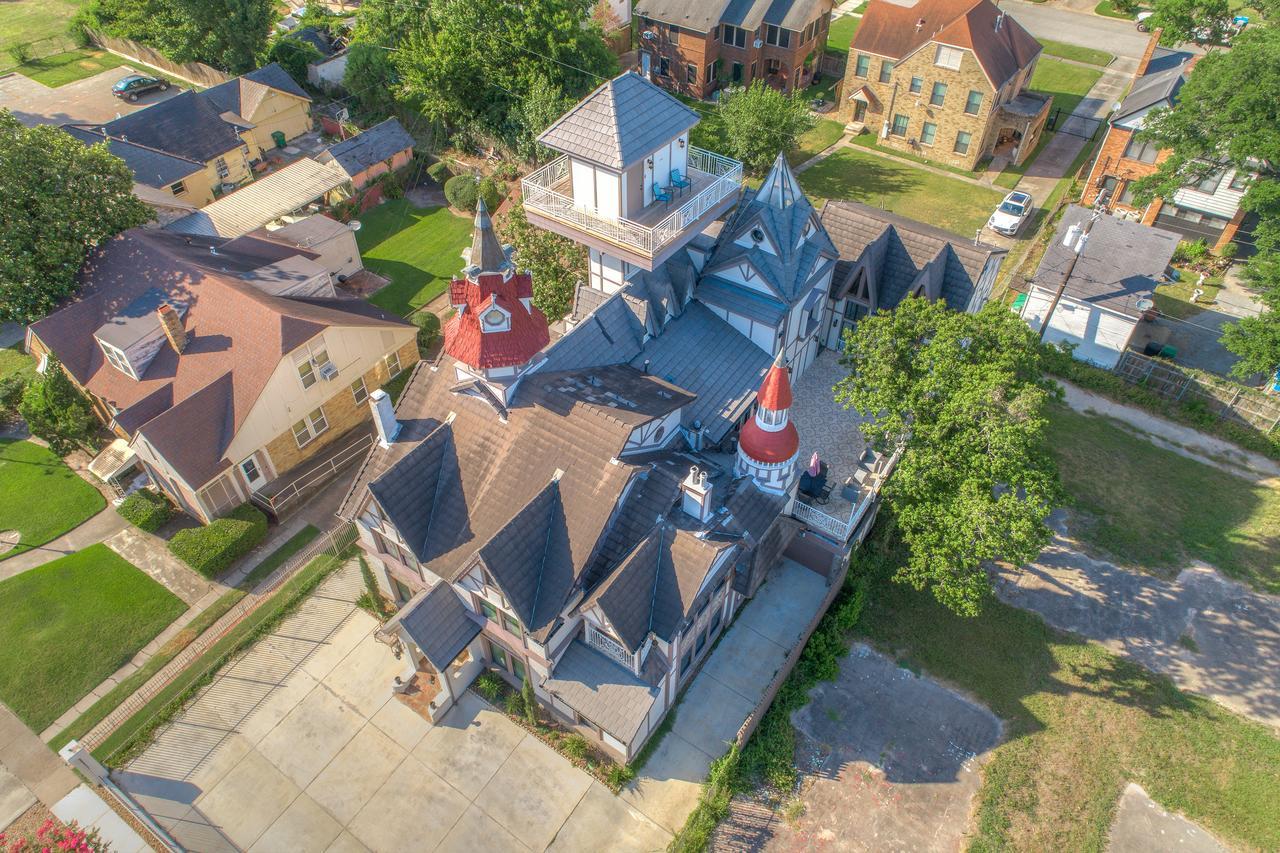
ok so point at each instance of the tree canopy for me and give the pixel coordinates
(227, 34)
(56, 411)
(61, 199)
(1190, 20)
(557, 263)
(963, 395)
(474, 64)
(759, 122)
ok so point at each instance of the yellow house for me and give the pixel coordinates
(196, 146)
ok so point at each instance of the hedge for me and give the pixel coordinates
(463, 190)
(439, 172)
(212, 548)
(146, 510)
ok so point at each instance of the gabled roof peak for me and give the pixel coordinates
(780, 188)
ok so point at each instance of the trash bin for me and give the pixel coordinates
(278, 137)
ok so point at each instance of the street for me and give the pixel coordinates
(1110, 34)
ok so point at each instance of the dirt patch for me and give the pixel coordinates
(9, 540)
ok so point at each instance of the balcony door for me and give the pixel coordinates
(659, 174)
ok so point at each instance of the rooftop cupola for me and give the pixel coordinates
(629, 184)
(486, 254)
(769, 444)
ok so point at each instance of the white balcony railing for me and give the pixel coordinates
(720, 177)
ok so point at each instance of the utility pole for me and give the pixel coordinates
(1074, 232)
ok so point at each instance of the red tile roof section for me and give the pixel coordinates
(769, 447)
(775, 390)
(463, 337)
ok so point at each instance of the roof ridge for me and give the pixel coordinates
(546, 547)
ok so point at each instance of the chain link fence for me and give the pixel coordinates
(1220, 397)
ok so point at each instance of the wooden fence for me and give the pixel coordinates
(193, 72)
(1221, 397)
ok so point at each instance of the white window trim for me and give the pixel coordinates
(309, 424)
(950, 54)
(364, 390)
(117, 358)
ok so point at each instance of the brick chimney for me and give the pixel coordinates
(172, 325)
(1146, 57)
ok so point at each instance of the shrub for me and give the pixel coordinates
(212, 548)
(530, 701)
(20, 53)
(146, 510)
(489, 685)
(428, 330)
(576, 747)
(462, 192)
(1190, 252)
(377, 605)
(493, 192)
(619, 775)
(392, 186)
(515, 705)
(1229, 251)
(11, 388)
(439, 172)
(55, 411)
(507, 171)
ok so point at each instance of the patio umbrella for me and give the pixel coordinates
(815, 465)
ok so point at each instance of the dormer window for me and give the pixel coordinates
(494, 319)
(757, 235)
(117, 359)
(771, 417)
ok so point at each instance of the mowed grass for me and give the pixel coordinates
(27, 21)
(841, 34)
(15, 362)
(824, 134)
(1080, 724)
(1173, 299)
(62, 68)
(1151, 508)
(67, 625)
(854, 175)
(418, 249)
(1062, 50)
(40, 497)
(1067, 83)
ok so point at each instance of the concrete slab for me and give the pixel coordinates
(15, 798)
(745, 662)
(710, 715)
(893, 762)
(533, 793)
(346, 843)
(85, 807)
(248, 800)
(1141, 826)
(598, 824)
(339, 644)
(667, 790)
(476, 830)
(310, 736)
(356, 773)
(781, 618)
(149, 553)
(303, 826)
(467, 747)
(277, 706)
(401, 723)
(364, 677)
(414, 804)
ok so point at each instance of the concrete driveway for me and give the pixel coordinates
(300, 746)
(89, 100)
(891, 760)
(1210, 635)
(1048, 22)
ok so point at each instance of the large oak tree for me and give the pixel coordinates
(964, 397)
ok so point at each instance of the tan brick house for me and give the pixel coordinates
(945, 80)
(1210, 209)
(230, 366)
(697, 48)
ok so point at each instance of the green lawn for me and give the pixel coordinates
(15, 362)
(1079, 724)
(841, 34)
(824, 134)
(1152, 508)
(1108, 9)
(945, 202)
(40, 497)
(1062, 50)
(27, 21)
(1174, 299)
(1067, 83)
(68, 624)
(62, 68)
(276, 558)
(418, 249)
(868, 139)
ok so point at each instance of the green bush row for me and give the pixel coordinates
(146, 510)
(1192, 413)
(211, 549)
(462, 191)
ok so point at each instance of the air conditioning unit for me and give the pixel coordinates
(328, 371)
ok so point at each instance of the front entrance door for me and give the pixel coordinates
(860, 111)
(737, 73)
(253, 473)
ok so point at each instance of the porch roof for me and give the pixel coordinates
(602, 691)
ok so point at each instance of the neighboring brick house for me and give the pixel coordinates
(370, 154)
(1209, 210)
(226, 364)
(945, 80)
(197, 145)
(697, 48)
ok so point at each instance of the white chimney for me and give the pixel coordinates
(384, 417)
(696, 494)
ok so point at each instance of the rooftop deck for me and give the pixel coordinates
(548, 197)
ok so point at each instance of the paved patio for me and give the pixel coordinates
(827, 428)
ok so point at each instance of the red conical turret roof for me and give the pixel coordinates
(775, 391)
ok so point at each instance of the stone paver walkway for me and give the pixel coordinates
(1210, 635)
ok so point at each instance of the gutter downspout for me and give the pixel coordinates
(888, 112)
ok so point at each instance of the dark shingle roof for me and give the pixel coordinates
(1159, 85)
(371, 147)
(620, 123)
(186, 125)
(895, 250)
(602, 691)
(149, 166)
(748, 14)
(1121, 263)
(441, 625)
(611, 334)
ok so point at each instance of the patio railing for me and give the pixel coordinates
(722, 175)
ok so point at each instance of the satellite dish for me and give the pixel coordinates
(354, 225)
(1144, 303)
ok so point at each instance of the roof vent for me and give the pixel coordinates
(919, 24)
(999, 21)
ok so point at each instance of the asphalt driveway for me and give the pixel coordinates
(89, 101)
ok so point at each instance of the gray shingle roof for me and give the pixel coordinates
(229, 96)
(440, 624)
(894, 250)
(620, 123)
(1121, 263)
(149, 166)
(602, 691)
(1159, 86)
(611, 334)
(186, 125)
(702, 16)
(371, 147)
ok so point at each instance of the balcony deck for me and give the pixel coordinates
(652, 234)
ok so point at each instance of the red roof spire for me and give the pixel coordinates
(777, 441)
(775, 391)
